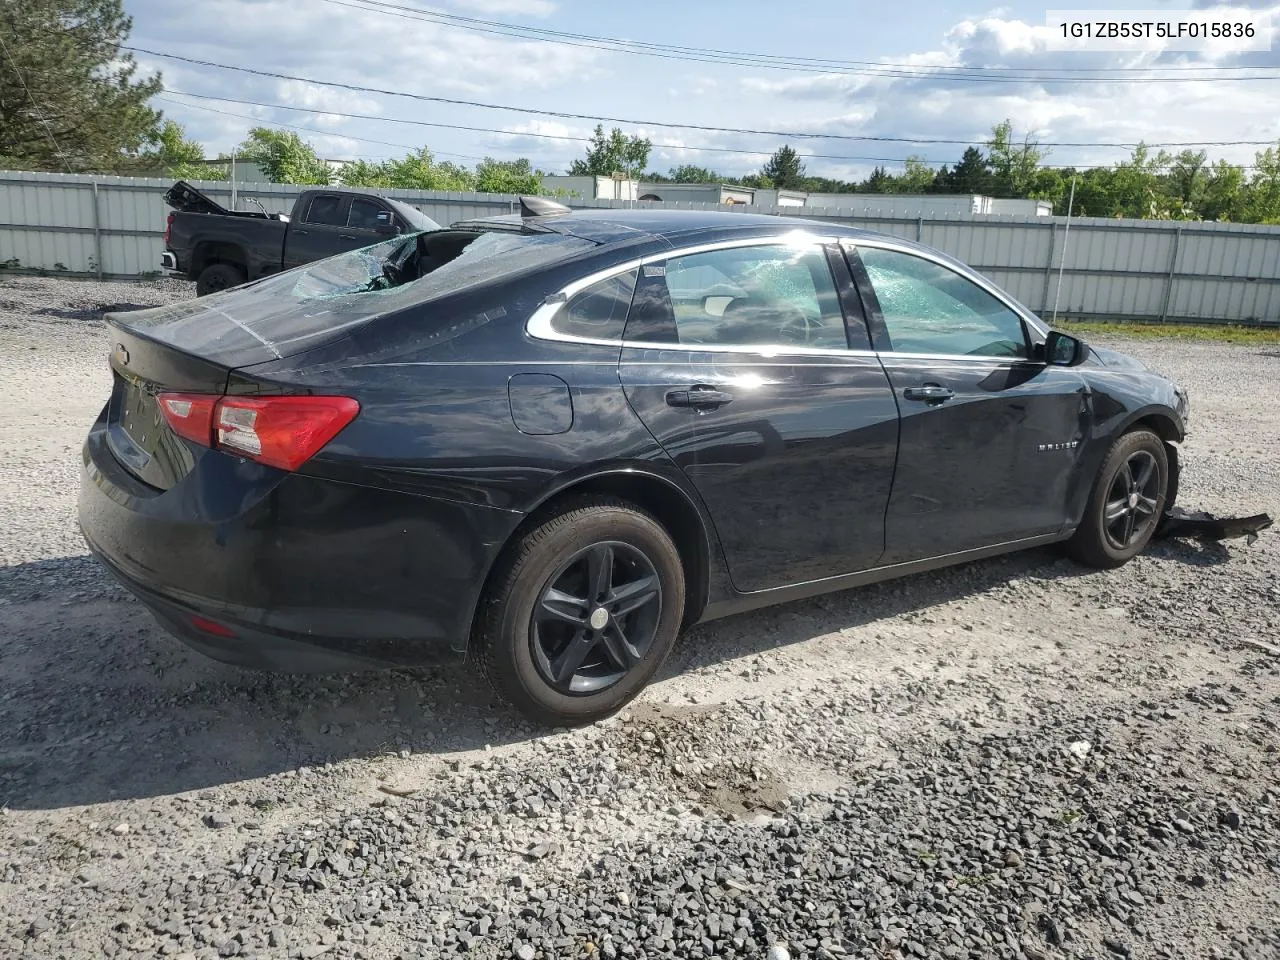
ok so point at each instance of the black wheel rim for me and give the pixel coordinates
(1130, 508)
(596, 618)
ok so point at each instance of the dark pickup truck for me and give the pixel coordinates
(220, 248)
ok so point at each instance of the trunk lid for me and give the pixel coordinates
(193, 346)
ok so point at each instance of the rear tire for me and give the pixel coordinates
(218, 276)
(1126, 503)
(541, 637)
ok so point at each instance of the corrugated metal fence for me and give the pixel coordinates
(1122, 269)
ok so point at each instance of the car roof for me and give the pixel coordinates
(605, 226)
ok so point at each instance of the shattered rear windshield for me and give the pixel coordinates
(300, 308)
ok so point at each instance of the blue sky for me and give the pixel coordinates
(346, 41)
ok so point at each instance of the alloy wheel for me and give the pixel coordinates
(596, 618)
(1132, 498)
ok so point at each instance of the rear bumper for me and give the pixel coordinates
(169, 261)
(246, 645)
(306, 573)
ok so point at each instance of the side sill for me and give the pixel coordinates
(743, 602)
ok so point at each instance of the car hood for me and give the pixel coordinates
(1114, 358)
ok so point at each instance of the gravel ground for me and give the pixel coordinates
(1016, 758)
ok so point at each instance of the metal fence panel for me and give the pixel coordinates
(1138, 269)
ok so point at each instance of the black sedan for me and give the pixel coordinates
(554, 440)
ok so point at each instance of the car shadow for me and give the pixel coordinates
(99, 704)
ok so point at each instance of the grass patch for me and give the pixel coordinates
(1216, 333)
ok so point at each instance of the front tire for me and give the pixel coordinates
(581, 612)
(1126, 503)
(218, 276)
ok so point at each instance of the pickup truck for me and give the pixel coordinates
(220, 248)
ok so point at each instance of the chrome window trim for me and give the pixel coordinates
(969, 274)
(539, 326)
(539, 323)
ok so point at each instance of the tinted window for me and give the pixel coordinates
(367, 215)
(600, 310)
(325, 209)
(754, 296)
(929, 308)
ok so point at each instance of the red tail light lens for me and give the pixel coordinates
(168, 228)
(283, 432)
(190, 415)
(211, 627)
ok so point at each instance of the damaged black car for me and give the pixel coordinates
(554, 440)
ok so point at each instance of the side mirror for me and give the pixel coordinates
(1064, 350)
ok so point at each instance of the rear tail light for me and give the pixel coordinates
(211, 627)
(283, 432)
(168, 228)
(190, 415)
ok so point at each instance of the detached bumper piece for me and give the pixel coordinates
(1201, 525)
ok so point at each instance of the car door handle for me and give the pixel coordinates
(301, 233)
(347, 236)
(700, 397)
(929, 393)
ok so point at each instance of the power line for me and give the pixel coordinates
(508, 133)
(565, 115)
(277, 106)
(44, 123)
(768, 61)
(553, 136)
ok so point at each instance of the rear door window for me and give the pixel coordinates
(760, 295)
(326, 209)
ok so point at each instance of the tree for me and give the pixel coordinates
(878, 182)
(1186, 181)
(972, 174)
(507, 176)
(1224, 193)
(173, 155)
(284, 157)
(917, 177)
(615, 153)
(70, 98)
(1134, 185)
(1263, 204)
(690, 173)
(415, 171)
(1013, 165)
(784, 169)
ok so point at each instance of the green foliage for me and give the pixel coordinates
(614, 153)
(1263, 202)
(415, 171)
(690, 173)
(173, 155)
(1013, 165)
(70, 98)
(507, 176)
(918, 177)
(284, 157)
(784, 169)
(971, 175)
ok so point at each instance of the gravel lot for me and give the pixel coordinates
(1015, 758)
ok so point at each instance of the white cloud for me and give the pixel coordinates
(1074, 110)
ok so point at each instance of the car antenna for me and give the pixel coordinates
(541, 207)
